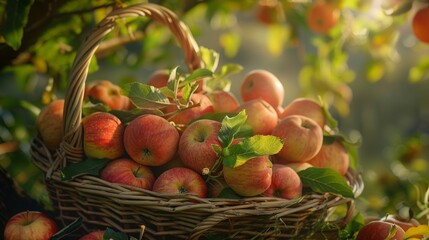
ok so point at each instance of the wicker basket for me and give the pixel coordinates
(102, 204)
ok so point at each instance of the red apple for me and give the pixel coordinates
(181, 180)
(251, 178)
(302, 139)
(376, 230)
(102, 135)
(109, 94)
(262, 84)
(187, 115)
(151, 140)
(261, 116)
(128, 172)
(306, 107)
(285, 183)
(94, 235)
(49, 124)
(195, 145)
(332, 155)
(30, 225)
(159, 78)
(223, 101)
(404, 223)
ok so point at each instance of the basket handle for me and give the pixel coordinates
(71, 145)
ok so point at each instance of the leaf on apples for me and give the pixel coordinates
(210, 58)
(413, 232)
(145, 96)
(91, 107)
(90, 166)
(324, 180)
(230, 127)
(111, 234)
(73, 226)
(248, 148)
(197, 75)
(128, 116)
(245, 130)
(352, 228)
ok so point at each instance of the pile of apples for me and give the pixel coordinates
(173, 150)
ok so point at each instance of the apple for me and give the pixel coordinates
(302, 139)
(332, 155)
(102, 135)
(261, 116)
(196, 144)
(223, 101)
(285, 183)
(216, 186)
(264, 85)
(94, 235)
(50, 124)
(30, 225)
(306, 107)
(151, 140)
(404, 223)
(270, 12)
(109, 94)
(187, 115)
(251, 178)
(159, 78)
(174, 162)
(181, 180)
(322, 16)
(376, 230)
(128, 172)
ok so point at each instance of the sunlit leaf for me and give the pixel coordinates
(144, 96)
(210, 58)
(230, 127)
(422, 230)
(16, 18)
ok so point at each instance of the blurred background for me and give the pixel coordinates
(369, 67)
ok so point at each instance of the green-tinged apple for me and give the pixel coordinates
(250, 179)
(187, 115)
(332, 155)
(128, 172)
(30, 225)
(306, 107)
(49, 124)
(302, 139)
(223, 101)
(285, 183)
(102, 136)
(376, 230)
(196, 144)
(261, 116)
(180, 180)
(109, 94)
(151, 140)
(159, 78)
(262, 84)
(94, 235)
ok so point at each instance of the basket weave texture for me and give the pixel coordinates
(102, 204)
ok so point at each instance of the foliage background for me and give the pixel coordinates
(370, 68)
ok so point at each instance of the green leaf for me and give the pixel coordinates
(111, 234)
(230, 127)
(92, 106)
(91, 166)
(128, 116)
(228, 193)
(210, 58)
(229, 69)
(353, 227)
(197, 75)
(16, 18)
(248, 148)
(73, 226)
(323, 180)
(145, 96)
